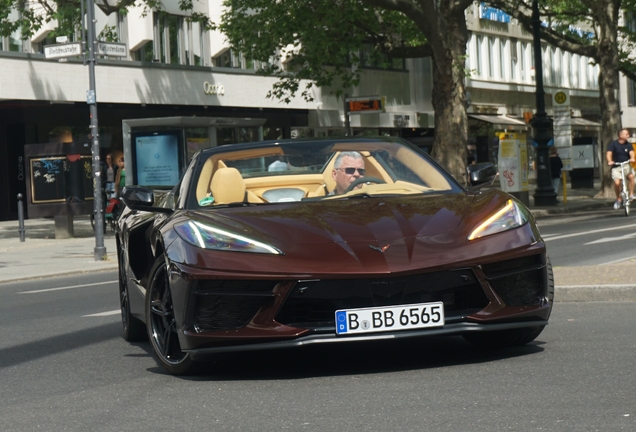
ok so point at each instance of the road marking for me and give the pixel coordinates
(103, 314)
(617, 261)
(611, 239)
(589, 232)
(67, 287)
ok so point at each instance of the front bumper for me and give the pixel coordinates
(447, 330)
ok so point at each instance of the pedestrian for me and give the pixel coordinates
(108, 176)
(556, 164)
(120, 180)
(618, 151)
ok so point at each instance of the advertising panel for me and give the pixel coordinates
(157, 159)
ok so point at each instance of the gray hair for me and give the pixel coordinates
(351, 154)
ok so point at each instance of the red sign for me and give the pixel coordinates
(365, 105)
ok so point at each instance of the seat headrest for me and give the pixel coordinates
(227, 186)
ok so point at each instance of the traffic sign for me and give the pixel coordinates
(112, 49)
(63, 50)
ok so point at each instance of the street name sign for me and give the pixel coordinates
(112, 49)
(63, 50)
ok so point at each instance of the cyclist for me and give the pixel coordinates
(618, 151)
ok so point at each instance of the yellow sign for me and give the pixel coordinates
(560, 98)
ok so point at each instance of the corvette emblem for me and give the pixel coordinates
(380, 249)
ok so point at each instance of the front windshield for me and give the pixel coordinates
(316, 170)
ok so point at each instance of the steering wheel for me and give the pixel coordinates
(360, 180)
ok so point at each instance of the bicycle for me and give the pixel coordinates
(624, 192)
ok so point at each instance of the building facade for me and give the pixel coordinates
(175, 68)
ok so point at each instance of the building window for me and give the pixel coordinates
(503, 56)
(567, 82)
(482, 48)
(631, 93)
(514, 56)
(491, 57)
(574, 71)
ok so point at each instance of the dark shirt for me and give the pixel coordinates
(555, 166)
(620, 152)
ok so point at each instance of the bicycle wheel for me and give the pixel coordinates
(626, 203)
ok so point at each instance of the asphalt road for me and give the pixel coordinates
(589, 238)
(64, 366)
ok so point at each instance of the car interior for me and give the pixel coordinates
(225, 177)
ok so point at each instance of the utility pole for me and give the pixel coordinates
(91, 100)
(544, 194)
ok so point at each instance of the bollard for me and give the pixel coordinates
(20, 218)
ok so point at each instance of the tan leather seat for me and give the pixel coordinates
(227, 186)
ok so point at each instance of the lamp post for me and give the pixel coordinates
(544, 194)
(91, 100)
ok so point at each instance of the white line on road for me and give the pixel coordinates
(615, 229)
(102, 314)
(611, 239)
(67, 287)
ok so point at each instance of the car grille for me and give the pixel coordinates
(312, 304)
(519, 282)
(229, 304)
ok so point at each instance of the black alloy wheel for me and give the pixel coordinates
(133, 329)
(161, 323)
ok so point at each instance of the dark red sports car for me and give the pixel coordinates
(294, 242)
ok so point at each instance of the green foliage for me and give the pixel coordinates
(312, 34)
(29, 17)
(109, 34)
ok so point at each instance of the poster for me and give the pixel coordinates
(157, 159)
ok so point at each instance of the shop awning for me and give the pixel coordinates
(498, 120)
(578, 121)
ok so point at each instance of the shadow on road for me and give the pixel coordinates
(354, 359)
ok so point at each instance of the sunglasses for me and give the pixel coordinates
(351, 171)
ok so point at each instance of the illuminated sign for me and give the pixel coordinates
(365, 105)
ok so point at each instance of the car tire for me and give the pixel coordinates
(513, 337)
(133, 328)
(161, 323)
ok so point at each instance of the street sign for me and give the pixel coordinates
(63, 50)
(365, 105)
(112, 49)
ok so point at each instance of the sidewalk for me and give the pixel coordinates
(41, 255)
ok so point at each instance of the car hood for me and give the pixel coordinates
(359, 236)
(357, 220)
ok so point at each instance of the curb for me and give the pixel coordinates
(595, 293)
(565, 209)
(58, 274)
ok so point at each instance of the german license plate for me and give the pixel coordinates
(390, 318)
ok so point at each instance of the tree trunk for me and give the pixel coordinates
(608, 90)
(449, 97)
(451, 122)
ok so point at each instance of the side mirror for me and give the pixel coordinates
(142, 199)
(481, 174)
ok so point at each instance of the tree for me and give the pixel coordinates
(321, 41)
(29, 17)
(589, 28)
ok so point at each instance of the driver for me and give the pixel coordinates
(349, 166)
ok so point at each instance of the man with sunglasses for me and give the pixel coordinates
(349, 166)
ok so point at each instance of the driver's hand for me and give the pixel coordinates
(610, 163)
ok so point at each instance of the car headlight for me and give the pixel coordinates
(207, 237)
(508, 217)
